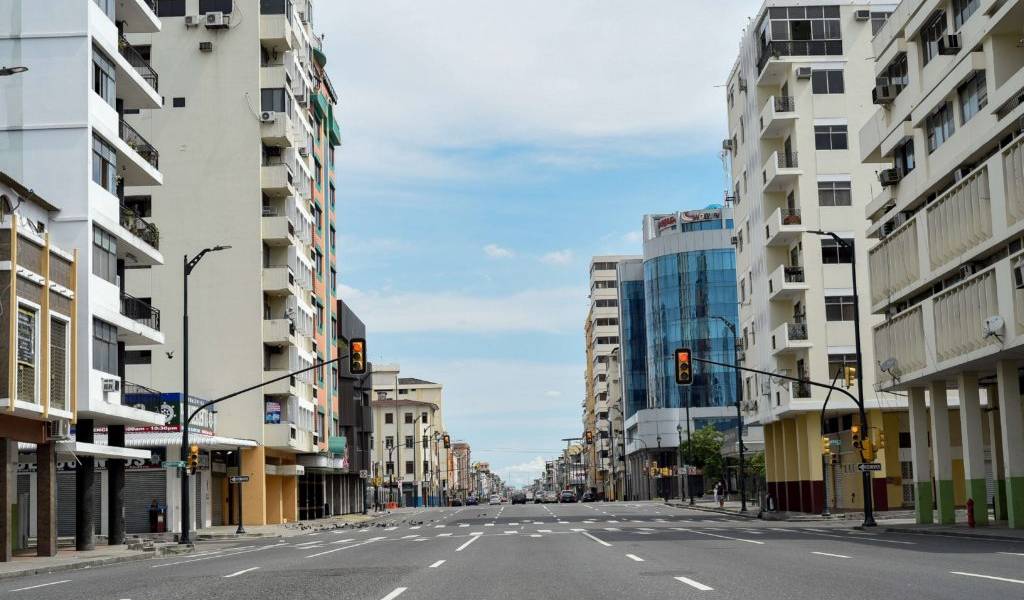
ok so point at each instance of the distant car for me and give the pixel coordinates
(495, 499)
(472, 501)
(456, 502)
(519, 498)
(588, 497)
(567, 497)
(550, 496)
(539, 497)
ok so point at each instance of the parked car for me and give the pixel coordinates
(567, 496)
(456, 502)
(518, 498)
(550, 496)
(539, 497)
(472, 501)
(588, 497)
(495, 499)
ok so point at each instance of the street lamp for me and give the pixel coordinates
(189, 265)
(869, 517)
(6, 71)
(682, 493)
(739, 413)
(657, 439)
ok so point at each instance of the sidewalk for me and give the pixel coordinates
(995, 530)
(70, 559)
(732, 507)
(356, 521)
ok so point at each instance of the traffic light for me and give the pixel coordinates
(193, 459)
(850, 375)
(684, 370)
(825, 447)
(855, 435)
(589, 436)
(357, 356)
(447, 441)
(867, 451)
(881, 440)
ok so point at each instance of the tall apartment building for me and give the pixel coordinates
(948, 270)
(795, 98)
(678, 295)
(250, 132)
(356, 420)
(408, 424)
(601, 337)
(460, 478)
(65, 137)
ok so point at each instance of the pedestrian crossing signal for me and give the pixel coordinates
(447, 441)
(589, 435)
(193, 459)
(357, 356)
(684, 369)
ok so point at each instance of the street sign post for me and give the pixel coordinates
(869, 467)
(239, 479)
(173, 464)
(364, 474)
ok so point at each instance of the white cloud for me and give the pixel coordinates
(523, 473)
(558, 257)
(496, 251)
(552, 393)
(555, 310)
(633, 237)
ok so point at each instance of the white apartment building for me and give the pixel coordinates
(63, 135)
(408, 434)
(947, 272)
(601, 336)
(796, 100)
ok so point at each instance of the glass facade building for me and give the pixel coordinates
(632, 345)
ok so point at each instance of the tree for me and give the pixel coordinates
(704, 451)
(757, 464)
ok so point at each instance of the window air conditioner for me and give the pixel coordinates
(217, 20)
(883, 94)
(734, 240)
(949, 44)
(303, 151)
(727, 145)
(268, 116)
(111, 385)
(316, 439)
(968, 270)
(1018, 275)
(743, 84)
(862, 15)
(803, 72)
(206, 46)
(889, 177)
(58, 430)
(193, 20)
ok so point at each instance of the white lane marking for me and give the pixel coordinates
(577, 529)
(993, 577)
(563, 522)
(1012, 553)
(543, 531)
(645, 529)
(695, 584)
(725, 537)
(242, 572)
(829, 554)
(846, 537)
(513, 524)
(344, 541)
(511, 531)
(444, 535)
(538, 522)
(363, 543)
(437, 564)
(463, 524)
(416, 527)
(224, 554)
(391, 529)
(472, 539)
(536, 535)
(32, 587)
(477, 533)
(394, 594)
(613, 521)
(406, 537)
(488, 524)
(596, 539)
(612, 529)
(438, 526)
(634, 557)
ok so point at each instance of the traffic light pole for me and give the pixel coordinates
(869, 517)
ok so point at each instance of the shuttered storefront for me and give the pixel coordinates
(66, 503)
(140, 489)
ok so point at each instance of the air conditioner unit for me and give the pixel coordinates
(728, 145)
(111, 385)
(888, 228)
(58, 430)
(734, 240)
(743, 84)
(803, 72)
(862, 15)
(316, 439)
(961, 172)
(268, 116)
(968, 270)
(217, 20)
(741, 355)
(900, 219)
(193, 20)
(1018, 275)
(883, 94)
(889, 177)
(949, 44)
(206, 46)
(303, 151)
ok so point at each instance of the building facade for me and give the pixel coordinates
(795, 100)
(460, 473)
(356, 421)
(946, 273)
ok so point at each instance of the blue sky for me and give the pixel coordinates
(489, 149)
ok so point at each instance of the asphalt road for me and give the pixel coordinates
(563, 551)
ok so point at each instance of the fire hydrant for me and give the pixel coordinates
(970, 512)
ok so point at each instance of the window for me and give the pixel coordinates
(423, 417)
(318, 215)
(138, 357)
(973, 96)
(931, 33)
(171, 8)
(408, 417)
(274, 100)
(837, 364)
(743, 131)
(273, 7)
(104, 347)
(178, 102)
(28, 350)
(607, 303)
(332, 237)
(830, 137)
(834, 193)
(334, 327)
(839, 308)
(409, 467)
(206, 6)
(104, 76)
(107, 6)
(827, 82)
(408, 441)
(939, 126)
(962, 10)
(59, 366)
(803, 31)
(140, 205)
(319, 258)
(391, 468)
(104, 164)
(607, 321)
(389, 441)
(319, 170)
(877, 20)
(895, 74)
(903, 157)
(832, 252)
(389, 418)
(104, 255)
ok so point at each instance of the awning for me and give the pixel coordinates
(72, 447)
(163, 439)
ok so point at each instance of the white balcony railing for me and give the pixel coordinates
(900, 338)
(894, 262)
(1013, 175)
(959, 219)
(959, 313)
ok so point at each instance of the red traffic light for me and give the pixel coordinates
(684, 367)
(357, 356)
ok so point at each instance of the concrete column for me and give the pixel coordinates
(941, 458)
(973, 444)
(8, 492)
(998, 466)
(46, 499)
(85, 491)
(1011, 418)
(919, 456)
(115, 487)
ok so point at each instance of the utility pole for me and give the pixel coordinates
(742, 481)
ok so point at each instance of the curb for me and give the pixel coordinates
(715, 510)
(969, 536)
(86, 564)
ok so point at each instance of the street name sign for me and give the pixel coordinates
(239, 479)
(869, 467)
(173, 464)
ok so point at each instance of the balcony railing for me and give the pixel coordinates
(798, 48)
(139, 392)
(785, 104)
(790, 216)
(140, 64)
(787, 160)
(276, 7)
(140, 311)
(140, 227)
(154, 5)
(139, 144)
(793, 274)
(797, 331)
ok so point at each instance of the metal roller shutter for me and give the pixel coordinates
(66, 503)
(140, 488)
(197, 510)
(217, 495)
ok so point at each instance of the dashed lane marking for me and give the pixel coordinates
(32, 587)
(472, 539)
(695, 584)
(992, 577)
(394, 594)
(437, 564)
(596, 539)
(830, 554)
(634, 557)
(242, 572)
(724, 537)
(444, 535)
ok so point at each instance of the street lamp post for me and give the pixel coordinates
(739, 413)
(7, 71)
(188, 265)
(657, 440)
(682, 493)
(869, 518)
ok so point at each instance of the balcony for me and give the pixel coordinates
(139, 144)
(278, 331)
(787, 283)
(277, 228)
(140, 311)
(140, 227)
(140, 64)
(279, 131)
(773, 62)
(784, 226)
(790, 337)
(277, 280)
(777, 116)
(780, 172)
(287, 436)
(276, 25)
(138, 16)
(134, 393)
(276, 178)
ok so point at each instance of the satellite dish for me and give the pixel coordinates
(888, 364)
(994, 325)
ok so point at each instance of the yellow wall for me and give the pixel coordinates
(274, 499)
(290, 499)
(254, 493)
